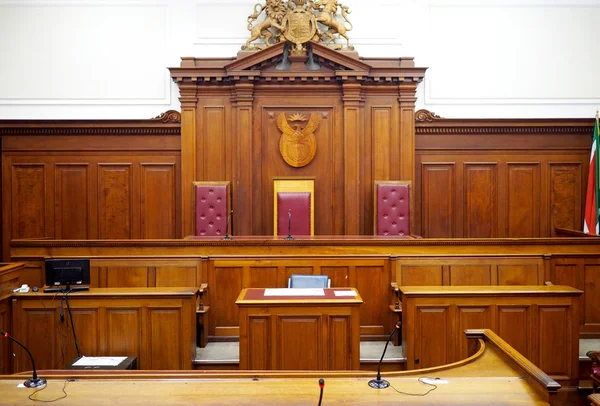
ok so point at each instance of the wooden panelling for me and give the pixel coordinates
(154, 324)
(554, 319)
(164, 330)
(294, 332)
(28, 199)
(158, 201)
(72, 201)
(340, 343)
(339, 275)
(517, 274)
(123, 331)
(565, 196)
(115, 201)
(420, 275)
(369, 280)
(177, 276)
(5, 325)
(438, 200)
(591, 279)
(522, 207)
(127, 277)
(214, 144)
(381, 129)
(480, 208)
(259, 332)
(514, 326)
(431, 344)
(470, 275)
(534, 320)
(265, 277)
(225, 286)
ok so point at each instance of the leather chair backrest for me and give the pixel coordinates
(298, 204)
(393, 209)
(212, 208)
(309, 281)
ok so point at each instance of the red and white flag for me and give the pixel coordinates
(592, 200)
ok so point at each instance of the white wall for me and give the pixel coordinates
(487, 58)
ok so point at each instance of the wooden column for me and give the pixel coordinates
(407, 101)
(353, 130)
(242, 100)
(189, 102)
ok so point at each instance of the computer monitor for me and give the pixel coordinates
(63, 275)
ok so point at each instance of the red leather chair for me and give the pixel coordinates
(393, 208)
(293, 206)
(212, 208)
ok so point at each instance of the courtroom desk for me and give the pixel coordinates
(299, 332)
(494, 375)
(594, 399)
(541, 322)
(369, 263)
(156, 325)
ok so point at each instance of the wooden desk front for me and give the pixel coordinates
(495, 375)
(541, 322)
(156, 325)
(299, 332)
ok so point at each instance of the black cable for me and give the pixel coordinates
(417, 394)
(72, 324)
(52, 400)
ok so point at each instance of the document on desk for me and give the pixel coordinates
(294, 292)
(99, 361)
(349, 293)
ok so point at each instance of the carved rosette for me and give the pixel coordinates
(298, 146)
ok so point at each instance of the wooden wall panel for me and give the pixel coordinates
(158, 201)
(72, 201)
(519, 275)
(259, 331)
(523, 200)
(86, 322)
(123, 331)
(28, 200)
(369, 280)
(431, 348)
(468, 275)
(514, 326)
(421, 275)
(591, 279)
(36, 323)
(553, 318)
(340, 343)
(126, 277)
(381, 128)
(115, 201)
(480, 205)
(177, 276)
(338, 275)
(5, 325)
(438, 200)
(225, 286)
(164, 330)
(293, 332)
(565, 196)
(265, 277)
(472, 317)
(214, 144)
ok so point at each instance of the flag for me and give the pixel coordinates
(592, 199)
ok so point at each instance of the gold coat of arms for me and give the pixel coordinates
(299, 21)
(298, 146)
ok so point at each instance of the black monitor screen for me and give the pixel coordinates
(67, 272)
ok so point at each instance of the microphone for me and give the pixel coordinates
(379, 383)
(227, 236)
(289, 237)
(34, 382)
(321, 385)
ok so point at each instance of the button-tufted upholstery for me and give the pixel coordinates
(212, 207)
(392, 208)
(299, 204)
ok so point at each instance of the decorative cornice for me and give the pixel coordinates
(169, 117)
(104, 131)
(500, 129)
(425, 115)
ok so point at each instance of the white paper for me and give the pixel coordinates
(99, 361)
(344, 293)
(295, 292)
(434, 381)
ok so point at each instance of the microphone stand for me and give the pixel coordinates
(379, 383)
(227, 236)
(34, 382)
(289, 237)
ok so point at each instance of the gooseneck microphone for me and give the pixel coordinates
(379, 383)
(34, 382)
(321, 385)
(227, 236)
(289, 237)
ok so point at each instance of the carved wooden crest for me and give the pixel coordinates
(298, 146)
